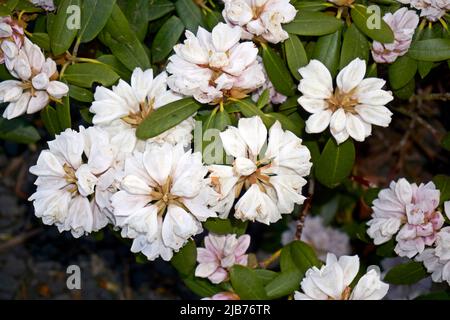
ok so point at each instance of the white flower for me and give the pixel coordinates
(163, 199)
(403, 23)
(47, 5)
(70, 190)
(36, 84)
(410, 210)
(323, 239)
(211, 66)
(126, 106)
(432, 10)
(438, 267)
(404, 292)
(263, 18)
(332, 281)
(351, 109)
(220, 254)
(11, 38)
(273, 179)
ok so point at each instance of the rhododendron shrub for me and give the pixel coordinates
(265, 148)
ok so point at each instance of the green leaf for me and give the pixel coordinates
(303, 256)
(445, 143)
(277, 72)
(430, 50)
(327, 50)
(335, 163)
(308, 23)
(61, 37)
(80, 94)
(190, 14)
(7, 7)
(94, 15)
(247, 284)
(386, 249)
(123, 42)
(310, 5)
(406, 273)
(442, 183)
(166, 38)
(166, 117)
(402, 71)
(185, 259)
(201, 287)
(212, 19)
(363, 19)
(289, 105)
(285, 122)
(441, 295)
(16, 130)
(407, 91)
(159, 8)
(50, 119)
(295, 55)
(222, 120)
(42, 40)
(264, 99)
(116, 66)
(137, 12)
(86, 74)
(265, 275)
(226, 226)
(249, 109)
(284, 284)
(354, 45)
(424, 68)
(63, 113)
(86, 115)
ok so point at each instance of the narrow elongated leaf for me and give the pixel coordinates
(123, 42)
(285, 122)
(265, 275)
(94, 15)
(60, 28)
(85, 74)
(327, 50)
(226, 226)
(116, 66)
(278, 72)
(137, 12)
(190, 14)
(401, 72)
(63, 113)
(303, 256)
(354, 45)
(16, 130)
(430, 50)
(247, 284)
(159, 8)
(335, 163)
(50, 119)
(212, 19)
(201, 287)
(284, 284)
(166, 38)
(308, 23)
(367, 23)
(406, 273)
(295, 55)
(80, 94)
(42, 40)
(167, 117)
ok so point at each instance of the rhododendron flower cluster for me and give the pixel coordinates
(431, 9)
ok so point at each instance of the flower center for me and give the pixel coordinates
(71, 178)
(259, 178)
(163, 197)
(344, 100)
(145, 109)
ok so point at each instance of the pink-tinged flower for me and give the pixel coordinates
(11, 38)
(403, 23)
(410, 209)
(226, 295)
(47, 5)
(220, 254)
(432, 10)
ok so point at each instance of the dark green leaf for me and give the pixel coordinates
(335, 163)
(159, 8)
(94, 15)
(445, 143)
(60, 30)
(401, 72)
(430, 50)
(303, 256)
(365, 21)
(442, 182)
(16, 130)
(265, 275)
(166, 117)
(285, 122)
(50, 119)
(86, 74)
(201, 287)
(277, 72)
(308, 23)
(284, 284)
(295, 55)
(226, 226)
(387, 249)
(327, 50)
(80, 94)
(407, 91)
(212, 19)
(406, 273)
(137, 12)
(222, 120)
(42, 40)
(190, 14)
(63, 113)
(166, 38)
(116, 65)
(354, 45)
(441, 295)
(185, 259)
(247, 284)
